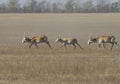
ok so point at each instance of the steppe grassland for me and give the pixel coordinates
(21, 65)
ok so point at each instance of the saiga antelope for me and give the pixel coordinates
(36, 40)
(68, 41)
(103, 40)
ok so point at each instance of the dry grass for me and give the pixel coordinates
(59, 66)
(21, 65)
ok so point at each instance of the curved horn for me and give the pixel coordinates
(90, 35)
(59, 36)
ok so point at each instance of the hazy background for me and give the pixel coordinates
(59, 6)
(23, 1)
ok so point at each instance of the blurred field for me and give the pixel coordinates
(93, 65)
